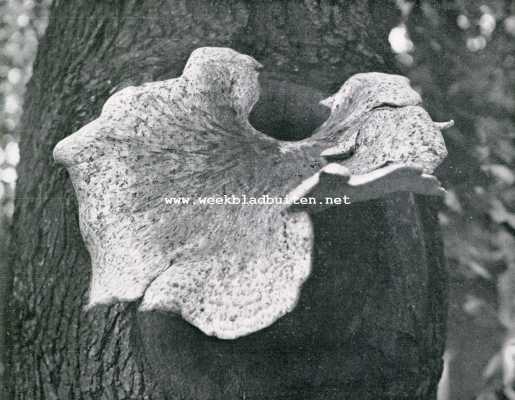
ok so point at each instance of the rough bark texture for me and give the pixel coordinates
(370, 323)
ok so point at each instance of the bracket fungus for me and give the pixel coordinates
(230, 269)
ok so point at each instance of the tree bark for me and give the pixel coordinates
(371, 320)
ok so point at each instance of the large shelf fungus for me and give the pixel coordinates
(230, 269)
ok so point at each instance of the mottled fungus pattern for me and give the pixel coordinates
(230, 269)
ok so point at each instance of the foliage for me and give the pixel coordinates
(22, 22)
(461, 56)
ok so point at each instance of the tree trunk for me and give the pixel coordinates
(371, 320)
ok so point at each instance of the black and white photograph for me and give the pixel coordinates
(257, 200)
